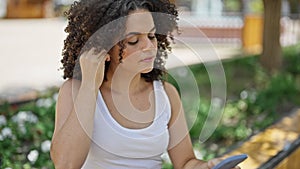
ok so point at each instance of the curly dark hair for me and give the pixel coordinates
(86, 17)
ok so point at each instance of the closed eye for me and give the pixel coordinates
(133, 43)
(151, 37)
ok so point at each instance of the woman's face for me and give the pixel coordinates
(140, 44)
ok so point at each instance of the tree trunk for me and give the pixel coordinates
(271, 57)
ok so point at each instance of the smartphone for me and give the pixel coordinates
(231, 162)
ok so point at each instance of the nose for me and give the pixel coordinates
(148, 44)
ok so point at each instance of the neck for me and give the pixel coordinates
(122, 82)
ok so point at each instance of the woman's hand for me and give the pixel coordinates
(92, 67)
(213, 162)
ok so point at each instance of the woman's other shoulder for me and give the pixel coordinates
(70, 87)
(70, 84)
(67, 91)
(65, 101)
(172, 93)
(170, 89)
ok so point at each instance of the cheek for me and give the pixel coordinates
(131, 52)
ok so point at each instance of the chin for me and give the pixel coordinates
(147, 70)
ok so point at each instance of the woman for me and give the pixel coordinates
(115, 111)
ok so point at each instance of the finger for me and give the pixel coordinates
(237, 167)
(104, 58)
(211, 163)
(91, 52)
(102, 54)
(83, 53)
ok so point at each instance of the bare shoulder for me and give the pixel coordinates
(67, 93)
(174, 99)
(65, 101)
(69, 86)
(172, 93)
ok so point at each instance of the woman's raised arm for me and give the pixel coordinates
(75, 111)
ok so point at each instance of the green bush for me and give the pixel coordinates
(255, 100)
(26, 132)
(292, 59)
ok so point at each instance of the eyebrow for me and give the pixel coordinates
(138, 33)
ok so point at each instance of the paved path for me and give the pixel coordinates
(30, 52)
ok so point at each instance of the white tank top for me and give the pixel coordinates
(116, 147)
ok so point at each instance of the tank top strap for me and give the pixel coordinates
(162, 101)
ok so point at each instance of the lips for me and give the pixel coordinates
(147, 59)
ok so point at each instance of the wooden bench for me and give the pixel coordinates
(277, 147)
